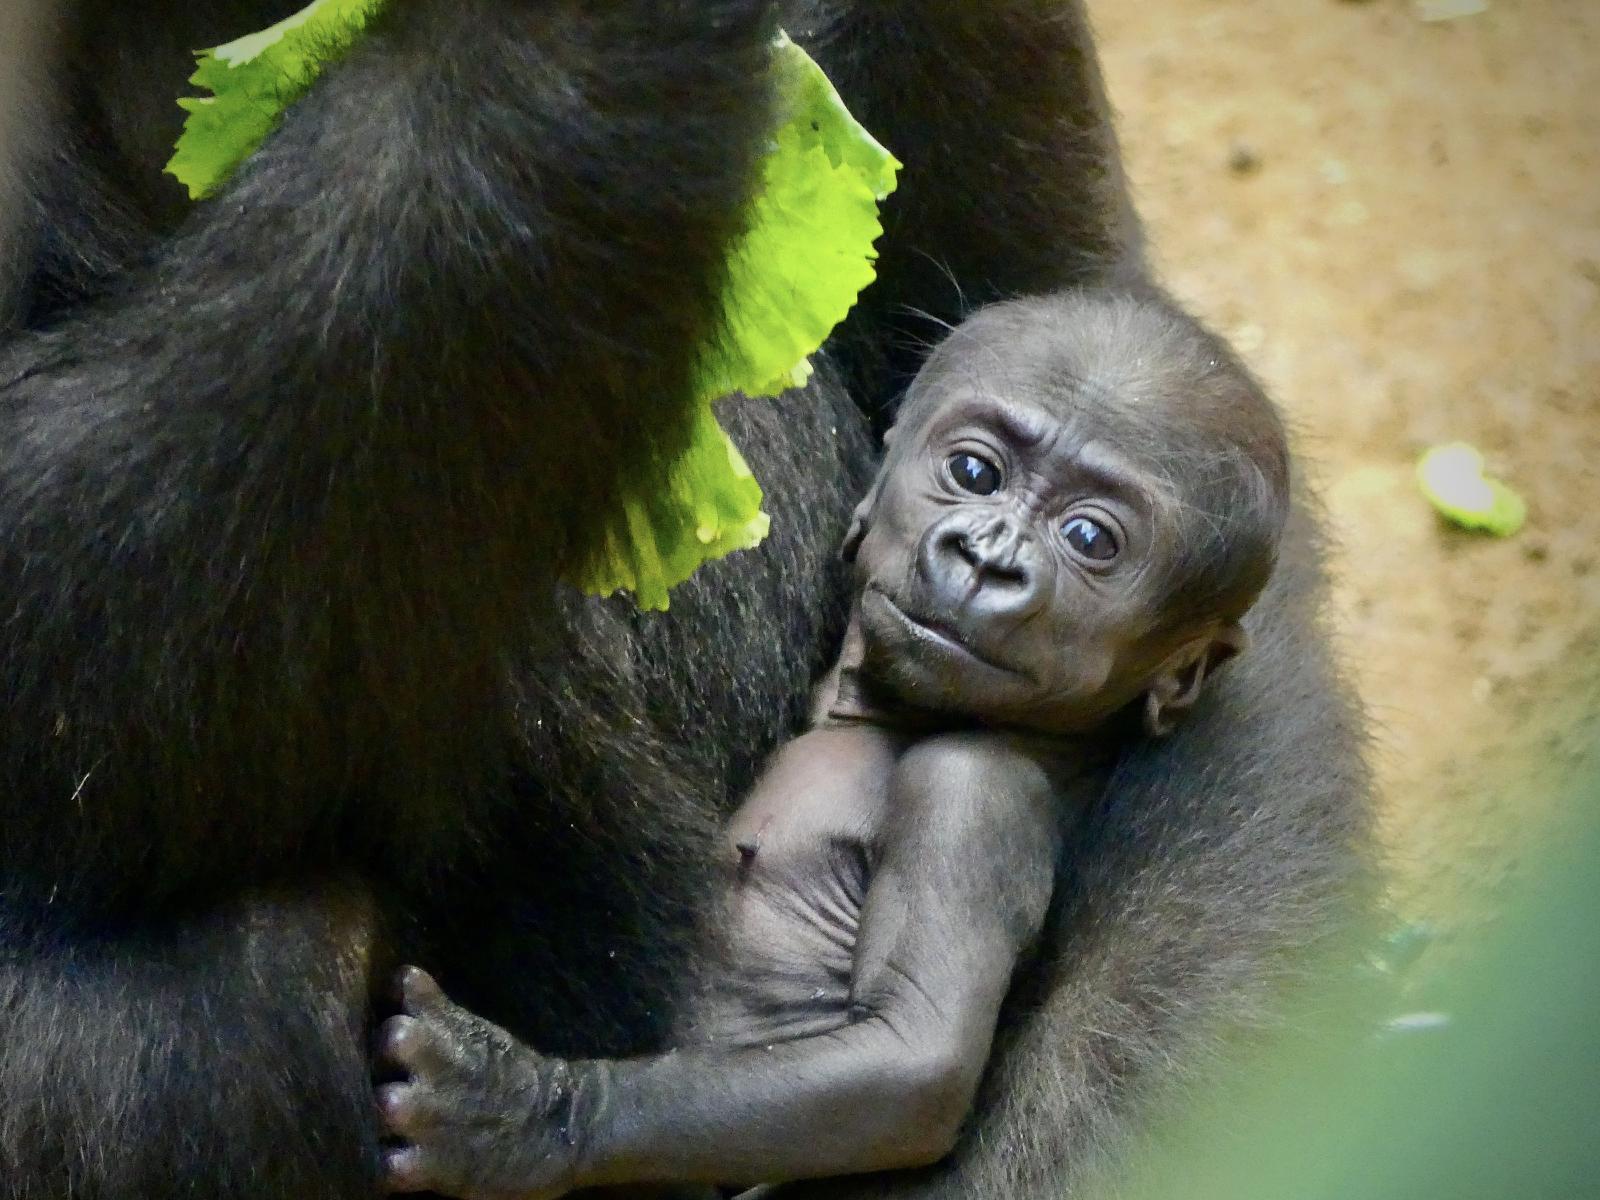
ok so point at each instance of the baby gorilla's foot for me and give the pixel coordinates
(482, 1116)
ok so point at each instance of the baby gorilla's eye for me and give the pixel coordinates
(1090, 538)
(973, 474)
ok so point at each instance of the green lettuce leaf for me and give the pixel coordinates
(710, 506)
(252, 81)
(806, 255)
(808, 251)
(803, 260)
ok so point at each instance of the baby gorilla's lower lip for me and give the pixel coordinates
(940, 634)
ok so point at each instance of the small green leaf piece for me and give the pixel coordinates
(252, 81)
(1452, 478)
(806, 255)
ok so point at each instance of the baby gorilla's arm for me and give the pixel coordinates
(968, 866)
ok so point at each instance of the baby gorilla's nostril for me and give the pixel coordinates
(956, 542)
(1006, 573)
(990, 554)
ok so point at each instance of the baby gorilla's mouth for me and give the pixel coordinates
(932, 630)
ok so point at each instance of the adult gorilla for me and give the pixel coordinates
(284, 479)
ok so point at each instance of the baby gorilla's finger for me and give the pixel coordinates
(403, 1110)
(412, 1046)
(405, 1170)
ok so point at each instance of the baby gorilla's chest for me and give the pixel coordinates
(789, 929)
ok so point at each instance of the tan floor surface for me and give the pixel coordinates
(1398, 223)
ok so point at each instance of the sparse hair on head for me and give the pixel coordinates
(1171, 395)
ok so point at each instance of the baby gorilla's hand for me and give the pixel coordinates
(483, 1117)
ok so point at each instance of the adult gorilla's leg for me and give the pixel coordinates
(1219, 851)
(218, 1053)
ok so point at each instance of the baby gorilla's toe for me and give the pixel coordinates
(412, 1046)
(404, 1110)
(405, 1169)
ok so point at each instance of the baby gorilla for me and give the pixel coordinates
(1059, 548)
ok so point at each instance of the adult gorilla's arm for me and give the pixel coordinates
(273, 511)
(1218, 852)
(1013, 182)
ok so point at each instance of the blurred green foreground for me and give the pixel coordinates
(1477, 1078)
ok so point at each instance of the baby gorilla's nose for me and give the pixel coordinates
(989, 557)
(990, 566)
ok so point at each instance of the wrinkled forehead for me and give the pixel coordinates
(1043, 386)
(1069, 441)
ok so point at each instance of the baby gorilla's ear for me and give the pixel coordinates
(858, 527)
(863, 513)
(1178, 681)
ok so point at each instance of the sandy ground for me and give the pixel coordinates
(1398, 222)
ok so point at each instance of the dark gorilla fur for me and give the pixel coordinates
(284, 478)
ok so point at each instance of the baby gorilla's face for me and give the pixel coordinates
(1009, 564)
